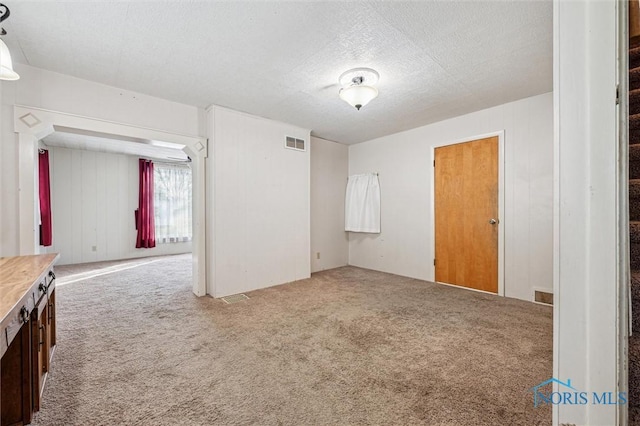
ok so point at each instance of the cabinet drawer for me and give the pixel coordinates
(11, 324)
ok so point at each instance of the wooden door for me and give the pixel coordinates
(466, 204)
(40, 351)
(15, 377)
(51, 322)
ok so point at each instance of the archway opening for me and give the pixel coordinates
(33, 125)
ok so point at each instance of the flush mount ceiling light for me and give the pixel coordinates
(357, 86)
(6, 65)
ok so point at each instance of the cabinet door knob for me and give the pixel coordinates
(24, 315)
(492, 221)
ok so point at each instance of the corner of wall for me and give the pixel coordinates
(329, 172)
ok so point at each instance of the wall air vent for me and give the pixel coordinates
(293, 143)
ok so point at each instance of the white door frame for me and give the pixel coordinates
(623, 257)
(500, 135)
(32, 124)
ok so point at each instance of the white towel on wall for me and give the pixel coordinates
(362, 204)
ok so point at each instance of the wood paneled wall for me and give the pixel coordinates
(329, 172)
(93, 197)
(261, 203)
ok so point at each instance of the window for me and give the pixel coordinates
(172, 202)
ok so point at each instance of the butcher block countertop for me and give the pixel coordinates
(24, 282)
(17, 275)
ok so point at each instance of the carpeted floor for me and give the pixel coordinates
(347, 346)
(82, 271)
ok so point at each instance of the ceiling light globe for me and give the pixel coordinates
(358, 96)
(6, 65)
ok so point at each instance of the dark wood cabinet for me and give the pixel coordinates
(15, 373)
(27, 325)
(51, 322)
(38, 347)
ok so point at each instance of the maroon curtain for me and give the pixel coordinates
(144, 215)
(46, 234)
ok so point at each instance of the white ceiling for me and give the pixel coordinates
(103, 143)
(282, 60)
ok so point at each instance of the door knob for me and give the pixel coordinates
(492, 221)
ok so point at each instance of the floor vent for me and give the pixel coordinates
(544, 297)
(235, 298)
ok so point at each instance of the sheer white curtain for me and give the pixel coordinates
(362, 204)
(172, 202)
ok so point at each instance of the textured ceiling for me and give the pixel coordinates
(282, 60)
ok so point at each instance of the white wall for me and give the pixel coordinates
(93, 199)
(63, 93)
(259, 227)
(404, 164)
(257, 192)
(329, 172)
(586, 214)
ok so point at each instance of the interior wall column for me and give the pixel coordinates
(585, 208)
(28, 189)
(199, 226)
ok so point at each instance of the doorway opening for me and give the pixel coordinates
(34, 124)
(94, 194)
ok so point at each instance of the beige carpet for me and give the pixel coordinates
(82, 271)
(348, 346)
